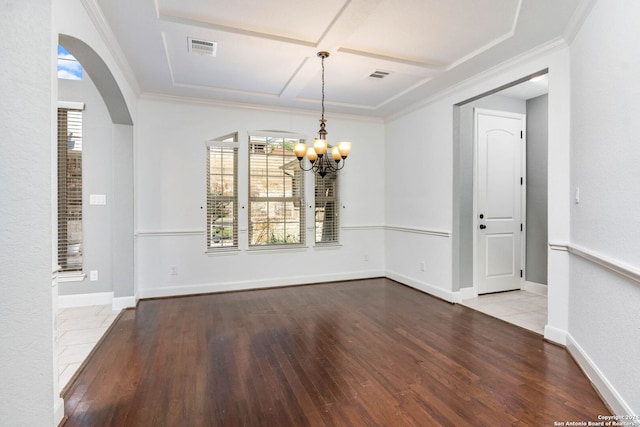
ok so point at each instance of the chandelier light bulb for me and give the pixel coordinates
(345, 149)
(300, 150)
(320, 146)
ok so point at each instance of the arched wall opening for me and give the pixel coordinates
(108, 230)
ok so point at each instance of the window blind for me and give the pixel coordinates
(70, 190)
(327, 224)
(222, 193)
(276, 191)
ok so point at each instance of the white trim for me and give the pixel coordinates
(169, 233)
(71, 105)
(212, 143)
(497, 71)
(276, 249)
(556, 335)
(617, 266)
(58, 411)
(255, 107)
(277, 134)
(558, 246)
(417, 230)
(535, 288)
(422, 286)
(84, 300)
(604, 387)
(361, 227)
(207, 288)
(614, 265)
(106, 33)
(577, 20)
(71, 277)
(120, 303)
(465, 294)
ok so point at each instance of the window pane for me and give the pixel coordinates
(327, 209)
(275, 192)
(222, 199)
(70, 190)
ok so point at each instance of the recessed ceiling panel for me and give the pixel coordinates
(348, 80)
(304, 20)
(433, 31)
(261, 67)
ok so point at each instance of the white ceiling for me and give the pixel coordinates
(266, 49)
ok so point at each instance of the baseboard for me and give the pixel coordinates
(535, 288)
(422, 286)
(606, 390)
(208, 288)
(464, 294)
(84, 300)
(556, 335)
(58, 411)
(120, 303)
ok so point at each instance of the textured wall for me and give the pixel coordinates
(26, 329)
(170, 190)
(604, 307)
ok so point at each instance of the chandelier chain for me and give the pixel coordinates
(323, 88)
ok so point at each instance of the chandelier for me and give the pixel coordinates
(317, 152)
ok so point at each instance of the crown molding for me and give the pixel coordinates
(152, 96)
(106, 33)
(547, 48)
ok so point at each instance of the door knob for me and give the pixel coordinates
(482, 226)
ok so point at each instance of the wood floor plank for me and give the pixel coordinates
(368, 352)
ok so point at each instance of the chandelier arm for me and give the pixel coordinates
(302, 167)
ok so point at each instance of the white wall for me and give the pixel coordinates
(419, 178)
(171, 202)
(28, 390)
(97, 166)
(108, 156)
(604, 307)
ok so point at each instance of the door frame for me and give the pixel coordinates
(523, 194)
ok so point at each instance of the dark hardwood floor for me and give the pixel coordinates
(362, 353)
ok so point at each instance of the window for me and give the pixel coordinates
(276, 191)
(68, 66)
(222, 193)
(327, 208)
(70, 189)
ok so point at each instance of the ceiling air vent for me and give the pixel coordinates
(378, 74)
(202, 47)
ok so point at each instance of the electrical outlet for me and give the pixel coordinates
(93, 275)
(421, 265)
(174, 270)
(366, 257)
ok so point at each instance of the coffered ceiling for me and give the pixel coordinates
(265, 50)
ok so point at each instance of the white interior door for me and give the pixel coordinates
(499, 185)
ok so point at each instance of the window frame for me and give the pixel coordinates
(298, 197)
(227, 144)
(65, 271)
(318, 200)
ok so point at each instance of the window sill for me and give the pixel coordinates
(327, 246)
(222, 252)
(276, 249)
(71, 277)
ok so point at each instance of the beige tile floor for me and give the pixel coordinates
(79, 329)
(522, 308)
